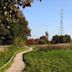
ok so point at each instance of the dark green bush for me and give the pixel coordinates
(61, 39)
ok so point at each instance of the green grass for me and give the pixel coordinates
(6, 57)
(58, 60)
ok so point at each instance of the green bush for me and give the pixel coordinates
(18, 42)
(61, 39)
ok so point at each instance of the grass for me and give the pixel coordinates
(58, 60)
(6, 57)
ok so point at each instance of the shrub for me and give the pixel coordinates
(19, 42)
(30, 42)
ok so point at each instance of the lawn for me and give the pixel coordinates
(58, 60)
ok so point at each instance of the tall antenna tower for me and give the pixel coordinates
(61, 23)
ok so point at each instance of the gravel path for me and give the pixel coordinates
(18, 65)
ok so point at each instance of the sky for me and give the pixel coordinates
(45, 16)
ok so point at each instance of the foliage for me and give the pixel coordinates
(12, 21)
(49, 61)
(18, 42)
(43, 40)
(61, 39)
(67, 38)
(30, 42)
(36, 41)
(46, 34)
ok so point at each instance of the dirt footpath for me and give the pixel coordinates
(18, 65)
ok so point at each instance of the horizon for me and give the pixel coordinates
(45, 16)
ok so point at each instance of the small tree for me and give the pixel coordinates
(46, 34)
(43, 40)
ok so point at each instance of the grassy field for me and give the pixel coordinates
(58, 60)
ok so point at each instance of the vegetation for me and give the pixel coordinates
(42, 40)
(14, 30)
(61, 39)
(7, 56)
(12, 22)
(13, 27)
(59, 60)
(19, 42)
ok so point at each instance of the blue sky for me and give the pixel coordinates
(45, 16)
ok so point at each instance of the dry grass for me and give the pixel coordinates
(55, 46)
(4, 48)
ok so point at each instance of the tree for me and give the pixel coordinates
(67, 38)
(55, 39)
(46, 34)
(30, 42)
(61, 39)
(12, 22)
(43, 40)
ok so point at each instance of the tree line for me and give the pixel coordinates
(56, 39)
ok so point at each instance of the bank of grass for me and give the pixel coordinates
(50, 60)
(7, 56)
